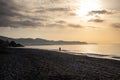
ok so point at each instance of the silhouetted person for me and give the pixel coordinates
(60, 49)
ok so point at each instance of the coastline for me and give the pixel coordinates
(38, 64)
(99, 51)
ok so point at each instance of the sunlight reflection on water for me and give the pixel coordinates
(99, 51)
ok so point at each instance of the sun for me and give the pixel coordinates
(85, 6)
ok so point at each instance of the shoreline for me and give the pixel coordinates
(94, 55)
(29, 64)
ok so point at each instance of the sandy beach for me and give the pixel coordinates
(36, 64)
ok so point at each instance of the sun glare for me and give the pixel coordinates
(86, 6)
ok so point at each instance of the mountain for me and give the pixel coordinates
(39, 41)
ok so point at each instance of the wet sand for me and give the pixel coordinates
(34, 64)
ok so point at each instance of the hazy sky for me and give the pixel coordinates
(79, 20)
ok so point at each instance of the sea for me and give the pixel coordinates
(92, 50)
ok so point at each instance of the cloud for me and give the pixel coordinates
(7, 10)
(54, 25)
(61, 22)
(30, 14)
(38, 19)
(63, 25)
(40, 11)
(116, 25)
(12, 15)
(72, 14)
(75, 26)
(26, 23)
(100, 12)
(96, 20)
(52, 9)
(58, 9)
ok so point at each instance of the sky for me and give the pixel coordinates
(94, 21)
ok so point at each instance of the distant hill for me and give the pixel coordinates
(39, 41)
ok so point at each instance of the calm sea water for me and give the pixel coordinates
(102, 51)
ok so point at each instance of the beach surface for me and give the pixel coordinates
(37, 64)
